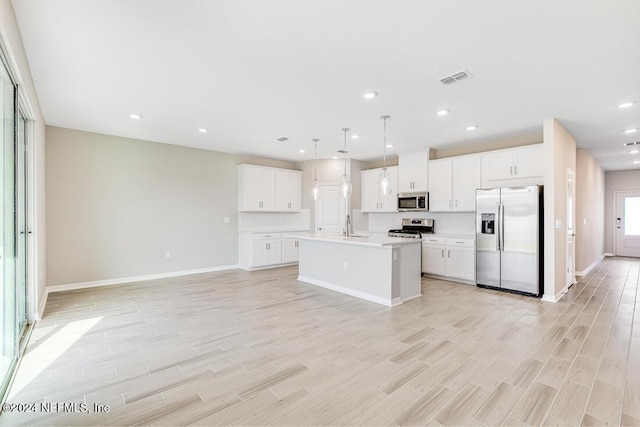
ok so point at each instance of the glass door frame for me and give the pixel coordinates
(21, 165)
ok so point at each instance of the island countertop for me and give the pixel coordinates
(373, 240)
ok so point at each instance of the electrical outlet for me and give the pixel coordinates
(225, 220)
(346, 266)
(167, 254)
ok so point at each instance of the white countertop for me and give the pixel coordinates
(275, 230)
(372, 240)
(449, 236)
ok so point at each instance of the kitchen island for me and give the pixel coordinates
(381, 269)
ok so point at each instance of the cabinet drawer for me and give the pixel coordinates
(465, 243)
(263, 236)
(433, 240)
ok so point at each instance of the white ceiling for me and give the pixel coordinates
(252, 71)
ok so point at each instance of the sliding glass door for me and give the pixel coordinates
(8, 325)
(13, 227)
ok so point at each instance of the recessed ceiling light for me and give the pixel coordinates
(389, 145)
(636, 162)
(135, 116)
(302, 150)
(631, 131)
(472, 127)
(355, 136)
(370, 95)
(334, 157)
(203, 130)
(626, 104)
(634, 152)
(443, 112)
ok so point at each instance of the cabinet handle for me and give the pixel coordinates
(510, 170)
(449, 253)
(267, 235)
(456, 203)
(459, 242)
(449, 202)
(515, 170)
(443, 253)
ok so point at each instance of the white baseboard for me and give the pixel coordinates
(555, 298)
(609, 254)
(389, 302)
(121, 280)
(588, 269)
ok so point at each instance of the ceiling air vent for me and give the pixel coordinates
(283, 139)
(452, 78)
(626, 144)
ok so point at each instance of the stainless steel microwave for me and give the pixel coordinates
(413, 202)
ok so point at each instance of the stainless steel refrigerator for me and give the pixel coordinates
(509, 239)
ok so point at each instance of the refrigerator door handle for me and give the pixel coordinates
(497, 227)
(501, 232)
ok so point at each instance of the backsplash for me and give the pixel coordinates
(257, 221)
(445, 222)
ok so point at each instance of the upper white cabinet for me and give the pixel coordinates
(453, 183)
(412, 172)
(288, 190)
(261, 188)
(513, 164)
(371, 198)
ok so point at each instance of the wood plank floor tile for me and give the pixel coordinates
(259, 348)
(535, 403)
(496, 409)
(459, 409)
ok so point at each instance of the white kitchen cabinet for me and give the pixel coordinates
(266, 250)
(412, 172)
(461, 259)
(453, 258)
(440, 185)
(433, 256)
(256, 188)
(372, 200)
(289, 250)
(513, 164)
(453, 183)
(288, 190)
(265, 189)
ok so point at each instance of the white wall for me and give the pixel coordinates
(616, 181)
(11, 42)
(116, 205)
(590, 194)
(559, 155)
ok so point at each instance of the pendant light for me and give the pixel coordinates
(315, 190)
(345, 185)
(385, 183)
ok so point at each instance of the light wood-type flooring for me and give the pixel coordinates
(239, 348)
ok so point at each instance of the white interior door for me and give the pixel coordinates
(330, 210)
(627, 223)
(571, 232)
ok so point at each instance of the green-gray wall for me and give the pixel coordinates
(116, 205)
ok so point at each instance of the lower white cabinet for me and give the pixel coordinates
(267, 252)
(454, 258)
(264, 250)
(289, 250)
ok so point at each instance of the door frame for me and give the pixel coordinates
(571, 269)
(614, 215)
(315, 204)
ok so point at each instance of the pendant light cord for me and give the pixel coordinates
(384, 141)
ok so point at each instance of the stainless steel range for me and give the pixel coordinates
(413, 228)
